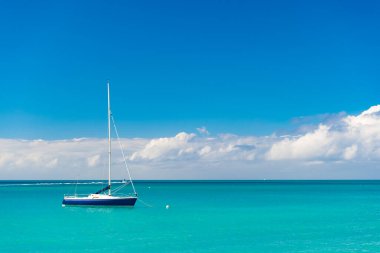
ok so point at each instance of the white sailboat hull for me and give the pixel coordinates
(99, 200)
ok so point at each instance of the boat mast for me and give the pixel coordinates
(109, 138)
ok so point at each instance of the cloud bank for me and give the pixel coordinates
(348, 146)
(349, 138)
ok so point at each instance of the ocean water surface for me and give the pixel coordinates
(204, 216)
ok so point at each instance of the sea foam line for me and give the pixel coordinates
(55, 183)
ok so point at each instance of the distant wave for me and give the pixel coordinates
(54, 183)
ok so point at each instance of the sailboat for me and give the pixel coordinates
(106, 196)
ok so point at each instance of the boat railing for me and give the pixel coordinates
(75, 195)
(85, 195)
(124, 195)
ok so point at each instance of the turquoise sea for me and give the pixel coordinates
(204, 216)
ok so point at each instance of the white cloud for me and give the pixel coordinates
(165, 148)
(313, 145)
(329, 147)
(203, 130)
(350, 152)
(351, 137)
(93, 161)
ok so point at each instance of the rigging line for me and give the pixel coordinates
(76, 186)
(115, 191)
(120, 187)
(122, 152)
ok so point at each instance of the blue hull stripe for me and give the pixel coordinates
(100, 202)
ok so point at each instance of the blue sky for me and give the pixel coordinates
(247, 67)
(277, 89)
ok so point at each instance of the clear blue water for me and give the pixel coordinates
(250, 216)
